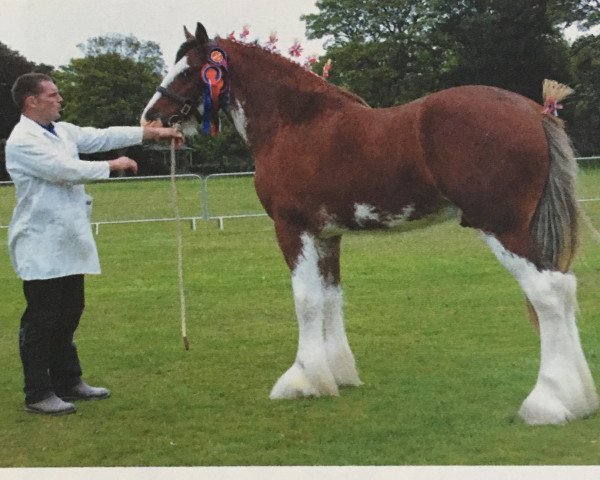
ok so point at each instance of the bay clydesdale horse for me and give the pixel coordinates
(327, 163)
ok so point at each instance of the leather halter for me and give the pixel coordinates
(187, 104)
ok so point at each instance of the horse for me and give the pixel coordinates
(327, 163)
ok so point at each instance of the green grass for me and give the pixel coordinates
(140, 199)
(438, 328)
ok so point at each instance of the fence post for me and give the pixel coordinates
(204, 189)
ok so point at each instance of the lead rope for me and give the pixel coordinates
(179, 234)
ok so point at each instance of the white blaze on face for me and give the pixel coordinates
(174, 71)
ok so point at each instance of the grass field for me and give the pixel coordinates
(438, 328)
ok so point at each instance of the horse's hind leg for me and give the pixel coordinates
(310, 374)
(564, 389)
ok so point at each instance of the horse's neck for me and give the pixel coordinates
(274, 93)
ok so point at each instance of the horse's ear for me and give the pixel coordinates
(188, 35)
(201, 35)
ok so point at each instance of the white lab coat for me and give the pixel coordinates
(50, 234)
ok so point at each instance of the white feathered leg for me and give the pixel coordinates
(310, 374)
(565, 389)
(339, 355)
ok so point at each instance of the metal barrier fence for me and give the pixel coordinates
(202, 205)
(589, 162)
(207, 215)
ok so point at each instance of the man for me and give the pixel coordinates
(50, 238)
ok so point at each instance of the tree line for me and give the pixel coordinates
(388, 52)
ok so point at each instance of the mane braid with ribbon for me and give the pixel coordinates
(295, 51)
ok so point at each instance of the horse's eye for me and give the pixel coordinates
(187, 73)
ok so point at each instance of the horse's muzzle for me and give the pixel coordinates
(152, 122)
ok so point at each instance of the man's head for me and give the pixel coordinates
(37, 97)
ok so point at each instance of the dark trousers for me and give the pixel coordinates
(48, 354)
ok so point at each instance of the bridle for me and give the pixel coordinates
(215, 95)
(187, 105)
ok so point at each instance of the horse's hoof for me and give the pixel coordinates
(537, 410)
(544, 407)
(295, 383)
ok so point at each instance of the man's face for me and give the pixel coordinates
(48, 103)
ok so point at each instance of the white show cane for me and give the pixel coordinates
(175, 201)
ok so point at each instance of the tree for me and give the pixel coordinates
(105, 89)
(396, 50)
(505, 43)
(225, 152)
(126, 46)
(584, 119)
(383, 51)
(112, 83)
(584, 13)
(12, 65)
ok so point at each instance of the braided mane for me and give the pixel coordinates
(298, 75)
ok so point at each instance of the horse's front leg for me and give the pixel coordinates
(339, 355)
(310, 374)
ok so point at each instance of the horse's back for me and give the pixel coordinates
(488, 153)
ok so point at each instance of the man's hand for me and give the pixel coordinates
(123, 163)
(164, 133)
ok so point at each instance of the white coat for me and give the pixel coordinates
(50, 234)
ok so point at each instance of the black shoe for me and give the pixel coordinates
(51, 406)
(82, 391)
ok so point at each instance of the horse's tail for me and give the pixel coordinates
(554, 225)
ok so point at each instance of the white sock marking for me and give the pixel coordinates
(310, 374)
(565, 389)
(339, 355)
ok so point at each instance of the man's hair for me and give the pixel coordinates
(27, 85)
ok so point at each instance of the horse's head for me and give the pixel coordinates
(195, 88)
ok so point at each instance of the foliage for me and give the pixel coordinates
(504, 43)
(12, 65)
(584, 122)
(584, 13)
(126, 46)
(398, 50)
(105, 90)
(439, 330)
(112, 83)
(225, 152)
(383, 51)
